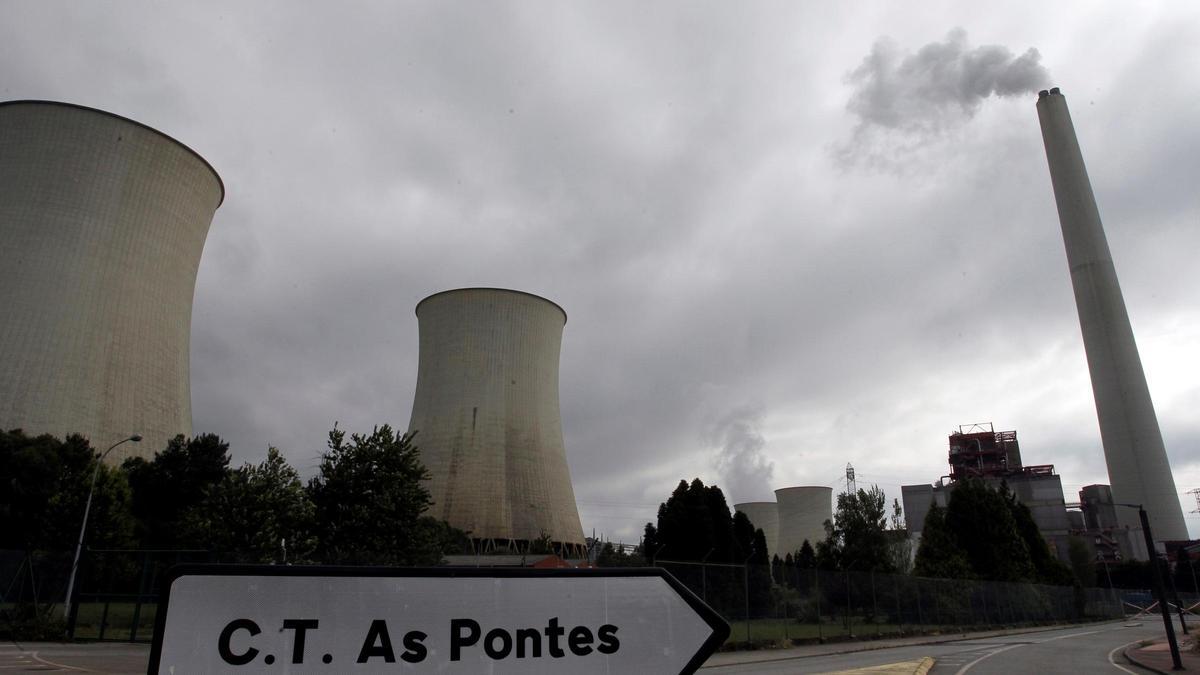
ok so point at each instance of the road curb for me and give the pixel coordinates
(925, 667)
(1139, 664)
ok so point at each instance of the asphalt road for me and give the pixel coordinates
(1071, 650)
(1068, 651)
(54, 657)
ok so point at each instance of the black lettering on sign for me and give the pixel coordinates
(579, 641)
(532, 635)
(553, 632)
(223, 648)
(301, 626)
(506, 643)
(463, 633)
(377, 633)
(609, 644)
(414, 651)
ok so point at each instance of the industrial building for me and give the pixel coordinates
(1133, 446)
(798, 514)
(486, 414)
(102, 224)
(1096, 523)
(764, 516)
(978, 451)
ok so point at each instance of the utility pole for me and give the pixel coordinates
(1159, 592)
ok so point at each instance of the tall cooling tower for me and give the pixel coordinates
(802, 515)
(487, 420)
(764, 516)
(102, 223)
(1133, 445)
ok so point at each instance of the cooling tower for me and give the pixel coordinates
(102, 223)
(1133, 445)
(802, 515)
(764, 516)
(487, 420)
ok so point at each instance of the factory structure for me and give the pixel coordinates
(103, 221)
(1105, 517)
(978, 451)
(486, 415)
(798, 514)
(1133, 446)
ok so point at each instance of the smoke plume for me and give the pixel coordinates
(943, 83)
(745, 472)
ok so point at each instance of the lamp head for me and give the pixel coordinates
(136, 438)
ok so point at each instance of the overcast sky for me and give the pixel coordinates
(788, 235)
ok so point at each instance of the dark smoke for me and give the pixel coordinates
(745, 472)
(939, 85)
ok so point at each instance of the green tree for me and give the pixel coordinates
(900, 550)
(939, 555)
(260, 512)
(857, 538)
(751, 550)
(44, 484)
(695, 524)
(986, 532)
(369, 498)
(650, 545)
(172, 484)
(806, 557)
(542, 545)
(1047, 569)
(616, 556)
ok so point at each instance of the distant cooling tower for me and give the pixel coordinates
(487, 420)
(764, 516)
(802, 515)
(1133, 445)
(102, 223)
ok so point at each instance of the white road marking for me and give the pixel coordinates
(57, 665)
(1122, 648)
(1064, 637)
(964, 669)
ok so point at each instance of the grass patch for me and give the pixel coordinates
(94, 623)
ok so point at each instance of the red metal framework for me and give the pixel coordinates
(978, 450)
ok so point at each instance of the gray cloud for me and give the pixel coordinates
(665, 177)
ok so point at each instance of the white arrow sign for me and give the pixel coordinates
(274, 619)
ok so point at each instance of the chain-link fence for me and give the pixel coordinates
(117, 597)
(116, 592)
(803, 605)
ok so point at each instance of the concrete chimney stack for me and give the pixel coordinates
(1133, 445)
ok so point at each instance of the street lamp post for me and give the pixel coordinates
(1158, 585)
(136, 438)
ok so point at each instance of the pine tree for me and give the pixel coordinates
(1047, 568)
(939, 555)
(985, 530)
